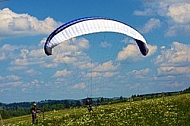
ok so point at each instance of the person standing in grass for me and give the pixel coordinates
(34, 112)
(89, 104)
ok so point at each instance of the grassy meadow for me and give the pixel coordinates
(165, 111)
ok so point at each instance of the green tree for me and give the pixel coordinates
(67, 104)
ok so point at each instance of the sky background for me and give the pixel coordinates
(95, 65)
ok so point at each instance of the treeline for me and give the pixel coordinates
(157, 95)
(24, 108)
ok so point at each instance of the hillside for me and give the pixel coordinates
(23, 108)
(168, 110)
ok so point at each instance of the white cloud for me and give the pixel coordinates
(13, 83)
(35, 83)
(13, 24)
(178, 29)
(171, 85)
(32, 72)
(176, 55)
(19, 61)
(161, 6)
(132, 52)
(8, 47)
(104, 74)
(105, 70)
(25, 56)
(13, 77)
(107, 66)
(37, 53)
(82, 43)
(79, 86)
(62, 73)
(105, 44)
(49, 65)
(139, 73)
(174, 61)
(176, 12)
(70, 51)
(151, 24)
(15, 68)
(7, 51)
(146, 12)
(127, 52)
(73, 45)
(109, 74)
(85, 64)
(180, 13)
(94, 74)
(59, 58)
(152, 49)
(172, 70)
(2, 56)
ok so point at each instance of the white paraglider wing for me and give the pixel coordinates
(89, 25)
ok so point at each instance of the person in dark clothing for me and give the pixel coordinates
(34, 112)
(89, 104)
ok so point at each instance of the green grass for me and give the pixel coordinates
(167, 111)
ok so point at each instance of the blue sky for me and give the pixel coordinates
(103, 64)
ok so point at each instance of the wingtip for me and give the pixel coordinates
(48, 51)
(143, 47)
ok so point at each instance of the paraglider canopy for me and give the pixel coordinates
(89, 25)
